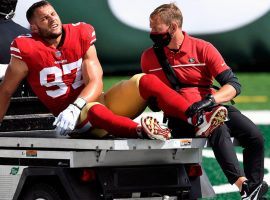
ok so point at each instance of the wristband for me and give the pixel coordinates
(79, 103)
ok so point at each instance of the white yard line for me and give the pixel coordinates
(227, 188)
(261, 117)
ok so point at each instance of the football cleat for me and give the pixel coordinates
(207, 121)
(152, 129)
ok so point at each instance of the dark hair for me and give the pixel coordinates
(31, 10)
(6, 8)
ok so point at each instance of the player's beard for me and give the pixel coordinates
(46, 34)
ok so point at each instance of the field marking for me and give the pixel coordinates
(227, 188)
(259, 117)
(251, 99)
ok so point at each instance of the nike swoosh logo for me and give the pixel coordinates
(257, 193)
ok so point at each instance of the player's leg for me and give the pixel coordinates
(121, 103)
(251, 139)
(96, 115)
(224, 151)
(168, 100)
(174, 104)
(124, 98)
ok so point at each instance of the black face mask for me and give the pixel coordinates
(161, 39)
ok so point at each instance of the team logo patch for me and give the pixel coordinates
(191, 60)
(58, 53)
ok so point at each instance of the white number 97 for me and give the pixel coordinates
(58, 80)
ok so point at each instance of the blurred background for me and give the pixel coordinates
(238, 29)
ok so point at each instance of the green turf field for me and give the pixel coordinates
(255, 96)
(216, 175)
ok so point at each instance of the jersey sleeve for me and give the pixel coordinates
(21, 47)
(214, 61)
(88, 35)
(15, 50)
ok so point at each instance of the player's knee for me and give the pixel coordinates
(219, 135)
(149, 85)
(136, 79)
(148, 79)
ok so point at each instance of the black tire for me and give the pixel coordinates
(41, 191)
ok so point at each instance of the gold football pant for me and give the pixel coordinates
(122, 99)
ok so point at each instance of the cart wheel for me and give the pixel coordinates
(41, 191)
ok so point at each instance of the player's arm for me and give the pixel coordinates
(224, 94)
(15, 73)
(230, 86)
(92, 76)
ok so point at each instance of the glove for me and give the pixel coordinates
(66, 121)
(207, 103)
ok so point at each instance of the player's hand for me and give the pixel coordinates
(66, 121)
(207, 103)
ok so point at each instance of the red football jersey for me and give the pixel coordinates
(197, 62)
(55, 75)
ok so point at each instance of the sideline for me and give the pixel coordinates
(227, 188)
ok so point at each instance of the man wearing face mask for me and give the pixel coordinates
(189, 65)
(66, 76)
(69, 83)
